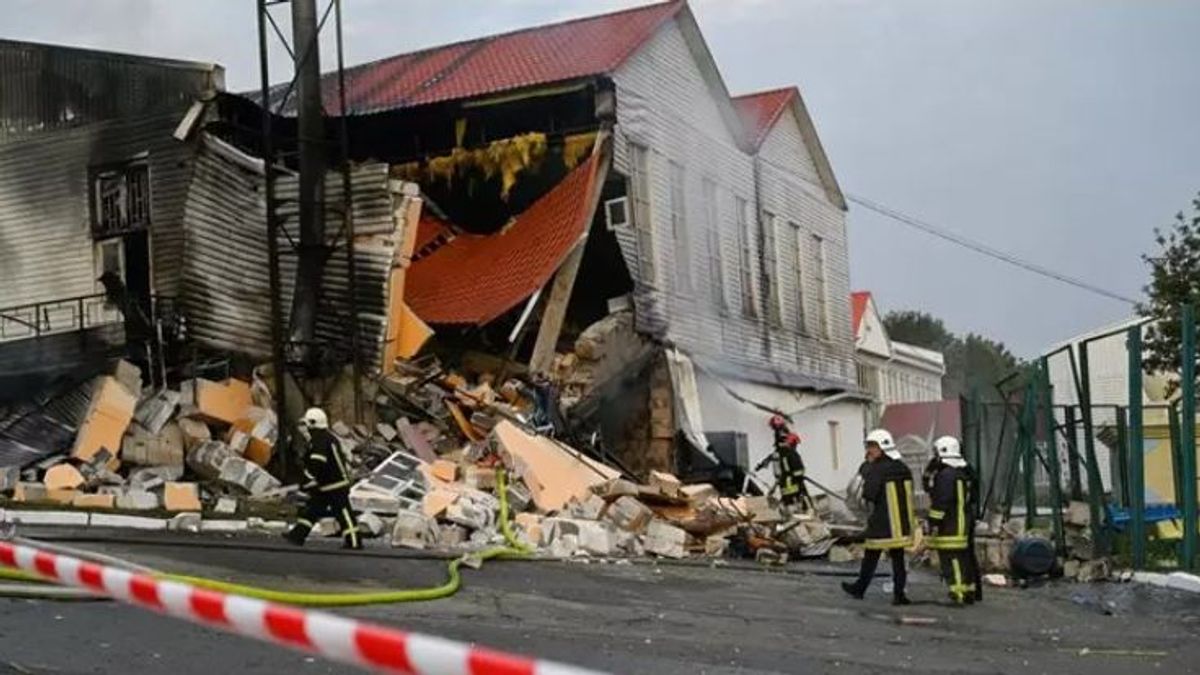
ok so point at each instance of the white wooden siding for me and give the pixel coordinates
(664, 101)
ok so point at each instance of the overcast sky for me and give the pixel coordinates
(1062, 131)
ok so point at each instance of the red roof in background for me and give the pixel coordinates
(532, 56)
(858, 305)
(759, 111)
(927, 420)
(475, 278)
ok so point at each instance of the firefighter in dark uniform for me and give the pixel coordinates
(948, 484)
(328, 484)
(888, 487)
(789, 468)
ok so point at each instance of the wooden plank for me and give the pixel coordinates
(555, 312)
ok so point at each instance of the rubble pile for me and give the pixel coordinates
(425, 472)
(204, 447)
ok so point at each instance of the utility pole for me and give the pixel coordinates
(311, 149)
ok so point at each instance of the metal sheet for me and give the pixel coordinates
(226, 288)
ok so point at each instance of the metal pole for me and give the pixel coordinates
(1095, 485)
(1030, 415)
(1137, 450)
(1176, 455)
(282, 440)
(1119, 470)
(310, 129)
(1187, 435)
(1073, 453)
(348, 217)
(1051, 445)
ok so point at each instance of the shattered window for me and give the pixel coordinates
(712, 229)
(121, 199)
(683, 244)
(745, 258)
(771, 266)
(639, 186)
(820, 294)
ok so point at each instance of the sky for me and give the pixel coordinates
(1061, 131)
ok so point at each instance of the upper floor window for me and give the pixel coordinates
(120, 199)
(746, 258)
(795, 247)
(639, 188)
(679, 229)
(712, 233)
(820, 287)
(771, 270)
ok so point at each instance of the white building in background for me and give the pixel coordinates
(888, 370)
(1108, 368)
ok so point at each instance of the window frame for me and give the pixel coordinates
(134, 199)
(821, 286)
(770, 252)
(641, 193)
(677, 198)
(746, 257)
(712, 234)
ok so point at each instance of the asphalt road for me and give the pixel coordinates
(632, 618)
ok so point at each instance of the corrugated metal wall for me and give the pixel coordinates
(664, 102)
(48, 87)
(45, 241)
(226, 291)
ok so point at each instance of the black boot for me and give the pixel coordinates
(295, 536)
(900, 599)
(852, 590)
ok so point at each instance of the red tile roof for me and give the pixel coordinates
(475, 278)
(759, 111)
(533, 56)
(858, 306)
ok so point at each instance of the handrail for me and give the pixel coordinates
(76, 315)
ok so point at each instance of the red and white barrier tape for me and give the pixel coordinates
(363, 644)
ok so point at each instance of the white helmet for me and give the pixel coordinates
(314, 418)
(883, 439)
(948, 449)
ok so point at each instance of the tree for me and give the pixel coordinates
(972, 362)
(918, 328)
(1174, 281)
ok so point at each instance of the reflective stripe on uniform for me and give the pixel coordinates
(334, 486)
(935, 514)
(960, 488)
(893, 504)
(883, 544)
(318, 458)
(948, 543)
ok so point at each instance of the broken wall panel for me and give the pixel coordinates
(46, 248)
(227, 289)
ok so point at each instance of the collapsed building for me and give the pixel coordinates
(582, 203)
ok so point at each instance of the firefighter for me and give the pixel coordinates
(788, 466)
(328, 484)
(948, 483)
(887, 486)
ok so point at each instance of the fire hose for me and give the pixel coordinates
(512, 549)
(252, 611)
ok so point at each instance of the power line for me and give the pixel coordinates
(984, 249)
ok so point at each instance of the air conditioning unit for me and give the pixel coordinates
(616, 212)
